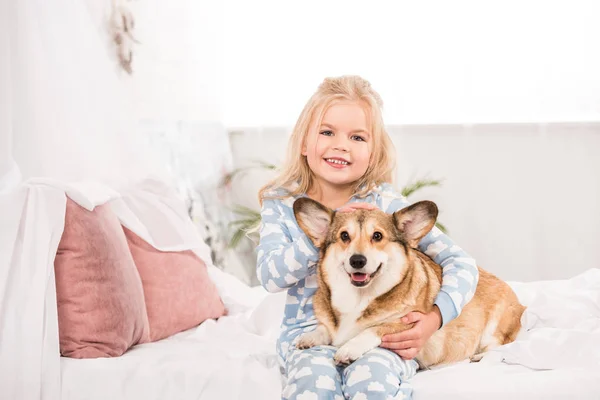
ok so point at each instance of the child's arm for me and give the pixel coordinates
(459, 270)
(283, 257)
(459, 273)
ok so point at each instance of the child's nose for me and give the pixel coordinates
(341, 144)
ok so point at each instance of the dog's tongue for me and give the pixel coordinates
(358, 277)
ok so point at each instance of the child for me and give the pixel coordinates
(340, 155)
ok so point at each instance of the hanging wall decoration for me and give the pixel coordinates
(121, 26)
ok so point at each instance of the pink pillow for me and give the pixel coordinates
(101, 309)
(178, 291)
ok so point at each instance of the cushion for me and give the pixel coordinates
(101, 308)
(178, 291)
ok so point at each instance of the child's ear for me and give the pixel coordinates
(415, 221)
(313, 218)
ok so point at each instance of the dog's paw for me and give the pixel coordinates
(304, 342)
(318, 337)
(348, 353)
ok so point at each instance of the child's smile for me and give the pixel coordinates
(337, 162)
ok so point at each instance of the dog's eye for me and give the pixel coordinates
(377, 236)
(345, 236)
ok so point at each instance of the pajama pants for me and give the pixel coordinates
(379, 374)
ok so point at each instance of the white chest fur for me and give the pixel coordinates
(350, 303)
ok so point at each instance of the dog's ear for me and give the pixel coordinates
(313, 218)
(416, 221)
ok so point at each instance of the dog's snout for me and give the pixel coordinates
(358, 261)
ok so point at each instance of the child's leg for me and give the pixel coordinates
(312, 374)
(379, 374)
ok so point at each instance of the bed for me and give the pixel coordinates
(556, 356)
(234, 358)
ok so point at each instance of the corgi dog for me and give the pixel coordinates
(370, 274)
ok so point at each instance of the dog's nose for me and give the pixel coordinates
(358, 261)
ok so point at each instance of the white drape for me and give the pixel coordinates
(64, 113)
(8, 169)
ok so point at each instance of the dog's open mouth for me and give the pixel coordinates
(360, 279)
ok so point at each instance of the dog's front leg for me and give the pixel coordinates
(366, 340)
(357, 346)
(318, 337)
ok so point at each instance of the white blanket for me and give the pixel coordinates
(561, 326)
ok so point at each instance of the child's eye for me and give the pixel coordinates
(327, 133)
(358, 138)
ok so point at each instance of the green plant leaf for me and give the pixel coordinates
(266, 165)
(421, 183)
(441, 227)
(249, 220)
(243, 223)
(237, 237)
(245, 211)
(240, 233)
(228, 178)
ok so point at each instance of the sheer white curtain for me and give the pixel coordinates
(64, 113)
(65, 116)
(8, 170)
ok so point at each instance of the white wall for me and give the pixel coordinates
(521, 198)
(433, 61)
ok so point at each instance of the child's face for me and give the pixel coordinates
(338, 150)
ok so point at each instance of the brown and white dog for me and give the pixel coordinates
(370, 275)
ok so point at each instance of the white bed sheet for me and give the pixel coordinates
(234, 358)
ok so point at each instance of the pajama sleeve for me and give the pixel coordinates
(284, 253)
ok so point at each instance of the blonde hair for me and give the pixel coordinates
(296, 176)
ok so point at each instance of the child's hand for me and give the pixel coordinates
(357, 206)
(407, 344)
